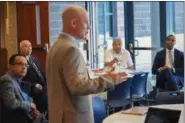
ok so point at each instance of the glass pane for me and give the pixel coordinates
(179, 24)
(105, 27)
(100, 17)
(109, 26)
(109, 7)
(120, 22)
(100, 33)
(55, 20)
(142, 26)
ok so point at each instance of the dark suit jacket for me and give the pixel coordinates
(30, 80)
(160, 60)
(14, 108)
(32, 75)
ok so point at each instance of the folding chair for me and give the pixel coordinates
(98, 109)
(170, 97)
(120, 96)
(139, 88)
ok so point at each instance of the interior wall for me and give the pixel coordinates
(10, 28)
(8, 35)
(2, 23)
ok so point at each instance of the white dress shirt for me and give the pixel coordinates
(124, 57)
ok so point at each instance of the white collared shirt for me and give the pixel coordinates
(68, 35)
(123, 56)
(72, 38)
(167, 62)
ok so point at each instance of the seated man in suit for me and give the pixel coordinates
(35, 76)
(15, 108)
(118, 56)
(169, 66)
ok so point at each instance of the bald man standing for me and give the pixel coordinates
(68, 81)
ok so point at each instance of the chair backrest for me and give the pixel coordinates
(98, 109)
(139, 84)
(0, 110)
(121, 91)
(170, 97)
(3, 61)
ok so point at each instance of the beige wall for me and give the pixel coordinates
(9, 40)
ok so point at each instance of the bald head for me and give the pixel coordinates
(72, 12)
(25, 47)
(75, 21)
(117, 45)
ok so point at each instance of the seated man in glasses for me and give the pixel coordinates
(35, 76)
(118, 56)
(15, 107)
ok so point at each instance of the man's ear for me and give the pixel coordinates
(73, 23)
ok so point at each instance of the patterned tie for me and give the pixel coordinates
(171, 58)
(36, 68)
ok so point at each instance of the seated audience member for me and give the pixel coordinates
(15, 108)
(35, 76)
(118, 56)
(169, 66)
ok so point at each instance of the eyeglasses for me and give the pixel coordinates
(22, 64)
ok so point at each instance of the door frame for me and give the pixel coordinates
(130, 41)
(39, 36)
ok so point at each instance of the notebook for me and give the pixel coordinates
(158, 115)
(136, 111)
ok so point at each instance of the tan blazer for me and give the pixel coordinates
(69, 84)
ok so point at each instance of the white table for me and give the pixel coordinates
(129, 118)
(103, 95)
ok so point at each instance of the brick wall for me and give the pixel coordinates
(179, 17)
(11, 29)
(141, 13)
(55, 9)
(142, 26)
(100, 15)
(142, 19)
(120, 19)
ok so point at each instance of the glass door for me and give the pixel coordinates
(142, 33)
(142, 47)
(104, 30)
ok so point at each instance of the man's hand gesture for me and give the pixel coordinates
(117, 77)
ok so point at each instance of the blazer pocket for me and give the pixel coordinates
(81, 103)
(69, 117)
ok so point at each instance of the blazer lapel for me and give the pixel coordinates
(18, 89)
(163, 55)
(175, 56)
(17, 86)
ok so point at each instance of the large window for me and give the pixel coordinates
(142, 33)
(178, 16)
(55, 11)
(108, 20)
(105, 29)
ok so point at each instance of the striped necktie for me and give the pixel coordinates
(36, 68)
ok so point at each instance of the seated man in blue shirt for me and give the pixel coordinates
(15, 108)
(169, 66)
